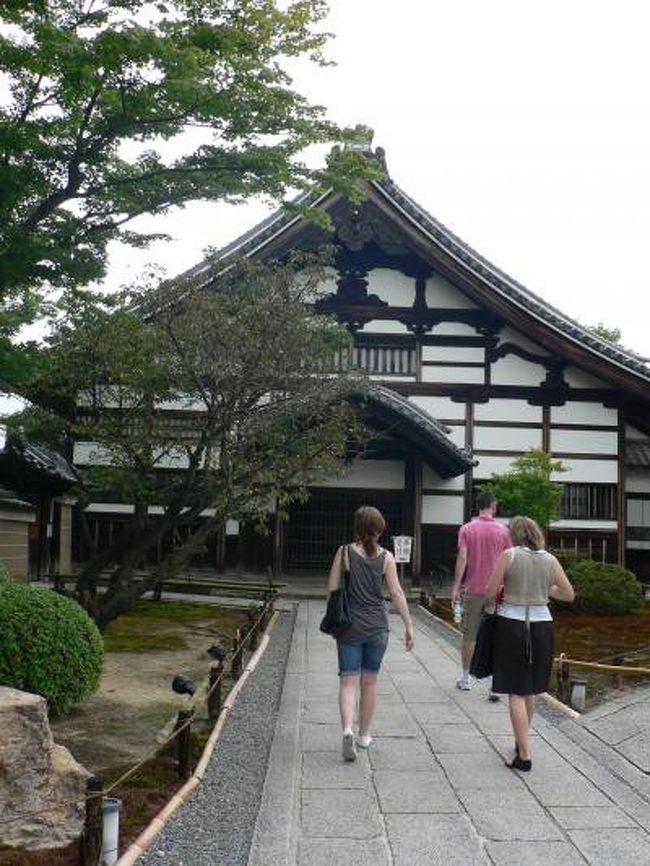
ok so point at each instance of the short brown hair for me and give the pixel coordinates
(369, 524)
(524, 531)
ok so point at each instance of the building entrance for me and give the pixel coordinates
(317, 527)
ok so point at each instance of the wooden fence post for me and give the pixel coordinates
(184, 743)
(563, 679)
(618, 678)
(253, 616)
(214, 690)
(90, 843)
(237, 660)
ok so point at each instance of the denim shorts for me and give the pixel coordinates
(362, 657)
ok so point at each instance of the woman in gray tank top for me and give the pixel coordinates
(362, 646)
(523, 652)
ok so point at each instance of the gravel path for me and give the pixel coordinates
(216, 824)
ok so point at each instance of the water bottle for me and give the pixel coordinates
(458, 611)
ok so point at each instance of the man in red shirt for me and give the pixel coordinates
(479, 544)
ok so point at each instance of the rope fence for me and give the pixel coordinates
(570, 689)
(230, 663)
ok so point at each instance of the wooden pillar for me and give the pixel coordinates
(622, 510)
(469, 447)
(220, 548)
(278, 545)
(546, 429)
(417, 521)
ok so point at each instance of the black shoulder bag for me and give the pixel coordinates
(337, 615)
(482, 663)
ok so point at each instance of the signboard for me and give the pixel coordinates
(402, 545)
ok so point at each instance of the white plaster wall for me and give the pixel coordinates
(441, 407)
(638, 512)
(577, 412)
(449, 354)
(94, 454)
(389, 377)
(374, 474)
(487, 465)
(181, 404)
(506, 438)
(637, 480)
(585, 525)
(513, 370)
(432, 481)
(508, 410)
(126, 508)
(441, 294)
(385, 326)
(90, 454)
(443, 509)
(584, 441)
(454, 329)
(326, 286)
(509, 335)
(587, 472)
(457, 434)
(391, 286)
(577, 378)
(470, 375)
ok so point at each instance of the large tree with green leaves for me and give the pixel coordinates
(528, 489)
(259, 411)
(95, 96)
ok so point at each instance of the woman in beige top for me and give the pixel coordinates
(523, 654)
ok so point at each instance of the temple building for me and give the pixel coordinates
(470, 370)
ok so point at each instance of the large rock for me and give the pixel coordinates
(42, 787)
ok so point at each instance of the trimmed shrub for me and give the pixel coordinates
(605, 590)
(48, 645)
(569, 558)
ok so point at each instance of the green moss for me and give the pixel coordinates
(152, 626)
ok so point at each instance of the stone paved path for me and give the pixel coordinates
(434, 788)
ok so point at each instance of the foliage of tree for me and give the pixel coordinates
(111, 109)
(527, 489)
(605, 332)
(48, 645)
(603, 589)
(245, 359)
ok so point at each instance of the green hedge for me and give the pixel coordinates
(48, 645)
(606, 590)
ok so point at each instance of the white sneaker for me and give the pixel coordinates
(464, 683)
(348, 749)
(364, 741)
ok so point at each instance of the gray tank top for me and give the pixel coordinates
(367, 606)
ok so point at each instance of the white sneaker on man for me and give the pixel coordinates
(464, 683)
(363, 742)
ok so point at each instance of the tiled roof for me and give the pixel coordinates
(446, 457)
(508, 286)
(42, 459)
(9, 499)
(498, 280)
(637, 453)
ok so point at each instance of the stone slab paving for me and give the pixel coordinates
(433, 788)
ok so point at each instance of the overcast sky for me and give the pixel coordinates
(524, 127)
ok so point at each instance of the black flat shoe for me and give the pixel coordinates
(523, 764)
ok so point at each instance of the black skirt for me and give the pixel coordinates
(522, 667)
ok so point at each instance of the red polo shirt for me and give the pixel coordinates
(485, 538)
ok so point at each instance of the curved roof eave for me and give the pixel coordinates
(506, 285)
(428, 434)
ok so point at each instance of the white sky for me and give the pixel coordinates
(523, 126)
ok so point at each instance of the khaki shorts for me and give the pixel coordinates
(472, 611)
